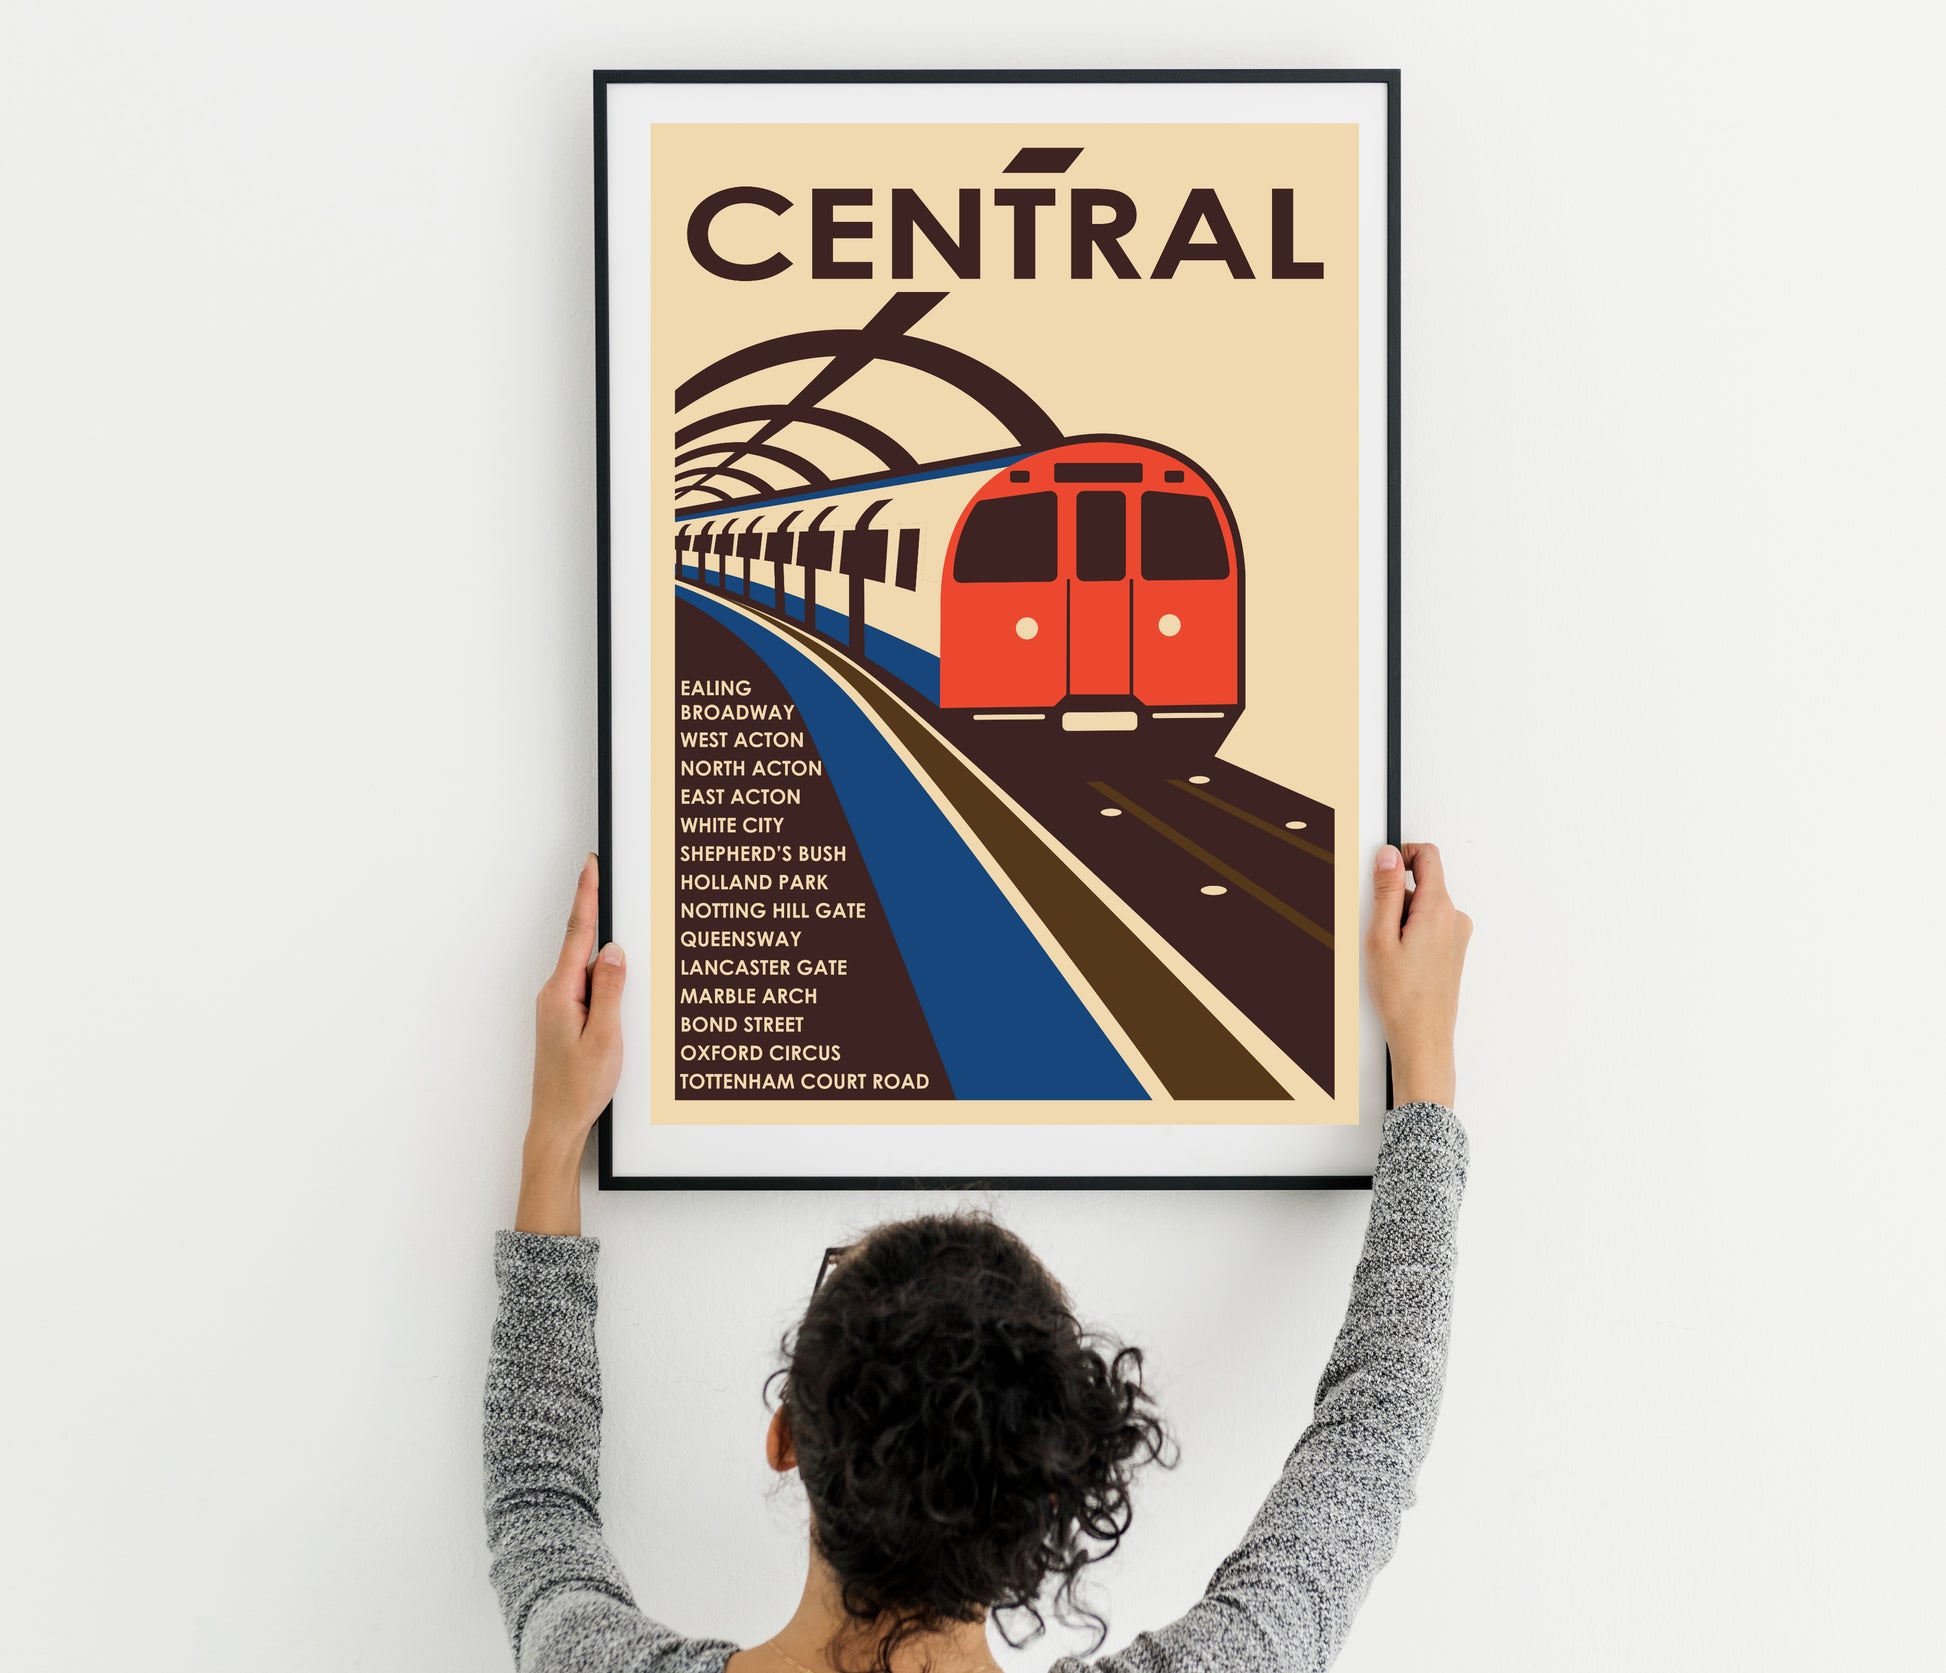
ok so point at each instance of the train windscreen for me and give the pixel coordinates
(1181, 539)
(1100, 536)
(1010, 539)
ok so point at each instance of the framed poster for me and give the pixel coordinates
(998, 575)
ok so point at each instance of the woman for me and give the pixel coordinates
(961, 1440)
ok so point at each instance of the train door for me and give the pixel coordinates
(777, 551)
(1098, 606)
(1185, 626)
(861, 557)
(698, 551)
(750, 545)
(814, 549)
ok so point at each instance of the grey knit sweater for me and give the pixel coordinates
(1283, 1599)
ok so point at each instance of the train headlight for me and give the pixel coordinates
(1027, 627)
(1169, 626)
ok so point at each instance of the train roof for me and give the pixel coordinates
(967, 466)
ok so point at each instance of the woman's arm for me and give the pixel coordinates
(1285, 1598)
(543, 1443)
(561, 1593)
(566, 1605)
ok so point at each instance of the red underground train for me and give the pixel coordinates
(1101, 578)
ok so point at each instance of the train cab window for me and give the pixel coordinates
(1010, 539)
(1181, 539)
(1100, 536)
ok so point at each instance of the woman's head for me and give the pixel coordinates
(962, 1440)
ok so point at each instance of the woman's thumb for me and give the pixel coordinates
(1388, 893)
(605, 989)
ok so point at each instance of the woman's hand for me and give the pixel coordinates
(577, 1061)
(1413, 954)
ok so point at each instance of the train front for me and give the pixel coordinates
(1095, 587)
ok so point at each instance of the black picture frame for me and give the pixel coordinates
(609, 1179)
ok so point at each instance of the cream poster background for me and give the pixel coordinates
(1253, 378)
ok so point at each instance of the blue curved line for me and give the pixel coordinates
(1005, 1020)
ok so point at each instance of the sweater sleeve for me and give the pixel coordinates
(562, 1595)
(1285, 1598)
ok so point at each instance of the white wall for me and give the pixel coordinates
(296, 652)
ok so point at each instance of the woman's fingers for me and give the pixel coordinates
(578, 945)
(1388, 894)
(1428, 872)
(605, 995)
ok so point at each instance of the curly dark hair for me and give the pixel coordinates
(961, 1438)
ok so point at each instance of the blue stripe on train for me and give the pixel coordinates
(898, 657)
(1005, 1020)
